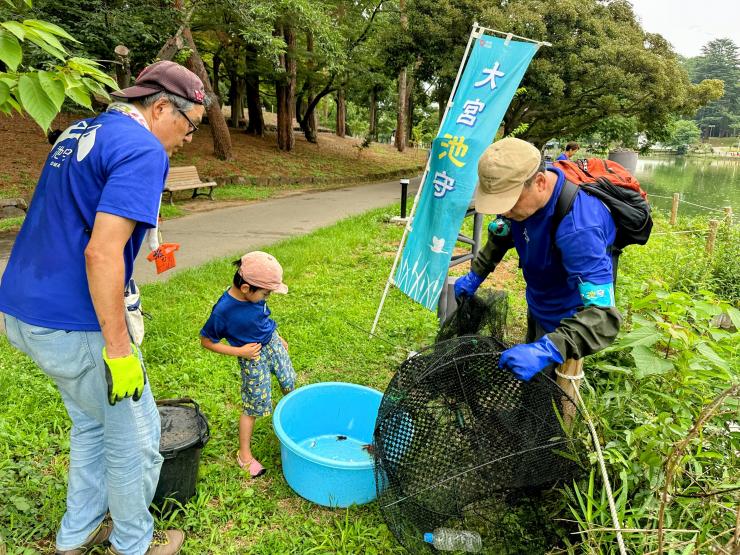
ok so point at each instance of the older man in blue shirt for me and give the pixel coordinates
(567, 265)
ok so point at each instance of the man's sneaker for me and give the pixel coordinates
(166, 542)
(99, 536)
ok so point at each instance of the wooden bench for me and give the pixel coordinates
(184, 178)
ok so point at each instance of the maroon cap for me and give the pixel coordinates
(165, 76)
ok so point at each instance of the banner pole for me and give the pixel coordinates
(473, 35)
(504, 34)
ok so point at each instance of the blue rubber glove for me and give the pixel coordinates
(528, 359)
(467, 285)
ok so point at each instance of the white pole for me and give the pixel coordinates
(473, 35)
(502, 33)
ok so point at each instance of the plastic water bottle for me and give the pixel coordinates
(447, 539)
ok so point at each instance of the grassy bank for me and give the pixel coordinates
(645, 395)
(332, 161)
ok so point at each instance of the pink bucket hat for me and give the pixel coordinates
(262, 270)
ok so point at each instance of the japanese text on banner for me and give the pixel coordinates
(491, 76)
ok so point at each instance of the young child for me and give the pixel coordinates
(242, 318)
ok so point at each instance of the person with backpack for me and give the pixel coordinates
(564, 238)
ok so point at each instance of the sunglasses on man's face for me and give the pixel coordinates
(193, 127)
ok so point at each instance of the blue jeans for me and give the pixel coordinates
(114, 458)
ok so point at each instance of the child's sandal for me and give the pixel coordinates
(253, 466)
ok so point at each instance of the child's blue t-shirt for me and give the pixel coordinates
(239, 322)
(108, 164)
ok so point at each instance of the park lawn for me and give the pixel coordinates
(336, 277)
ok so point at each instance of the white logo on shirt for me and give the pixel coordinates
(85, 136)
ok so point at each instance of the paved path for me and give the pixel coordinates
(236, 230)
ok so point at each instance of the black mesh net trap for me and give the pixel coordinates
(462, 444)
(483, 314)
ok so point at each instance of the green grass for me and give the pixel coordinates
(336, 277)
(723, 141)
(11, 224)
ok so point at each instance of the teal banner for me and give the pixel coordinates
(488, 83)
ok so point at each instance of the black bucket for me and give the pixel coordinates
(184, 433)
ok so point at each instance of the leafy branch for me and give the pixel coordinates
(42, 92)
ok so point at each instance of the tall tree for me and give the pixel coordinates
(183, 39)
(285, 84)
(601, 64)
(720, 60)
(307, 119)
(217, 122)
(403, 96)
(337, 56)
(373, 113)
(256, 125)
(341, 113)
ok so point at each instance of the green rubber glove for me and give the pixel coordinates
(125, 376)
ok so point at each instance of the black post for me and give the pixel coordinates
(404, 194)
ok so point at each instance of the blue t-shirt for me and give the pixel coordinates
(239, 322)
(562, 156)
(553, 273)
(108, 164)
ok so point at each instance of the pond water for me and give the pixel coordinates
(712, 183)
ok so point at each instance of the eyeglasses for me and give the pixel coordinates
(193, 127)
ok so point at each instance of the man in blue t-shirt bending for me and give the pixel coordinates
(568, 268)
(62, 295)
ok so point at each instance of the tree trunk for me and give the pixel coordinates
(309, 117)
(173, 45)
(443, 96)
(299, 104)
(232, 92)
(401, 118)
(402, 94)
(409, 108)
(256, 125)
(217, 76)
(341, 119)
(216, 120)
(373, 131)
(307, 120)
(123, 67)
(285, 91)
(237, 108)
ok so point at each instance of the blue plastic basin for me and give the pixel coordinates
(324, 431)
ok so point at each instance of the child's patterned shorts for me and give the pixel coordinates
(256, 379)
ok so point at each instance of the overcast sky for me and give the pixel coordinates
(690, 24)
